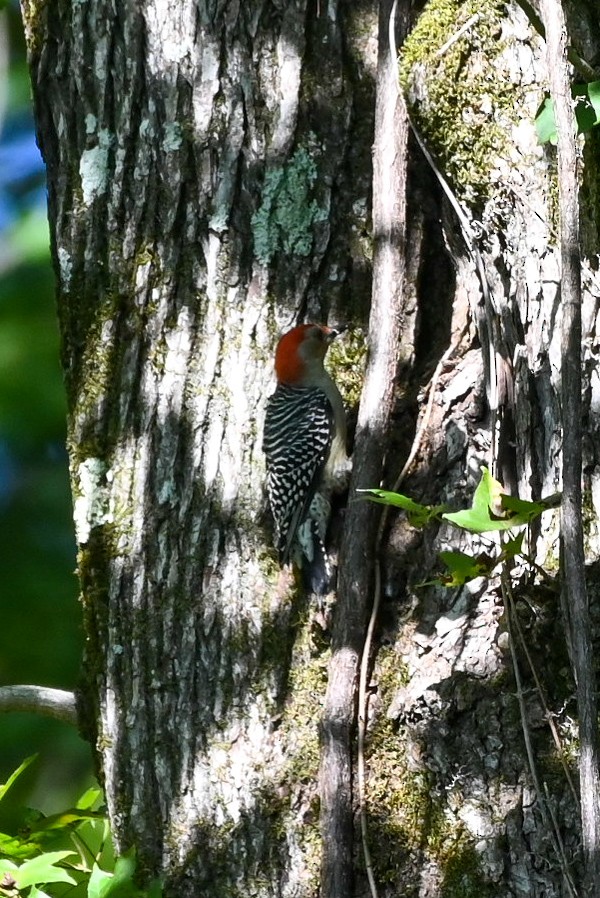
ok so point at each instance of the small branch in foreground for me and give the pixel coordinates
(56, 703)
(357, 548)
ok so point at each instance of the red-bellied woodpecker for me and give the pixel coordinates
(305, 447)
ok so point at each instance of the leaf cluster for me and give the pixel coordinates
(69, 853)
(587, 112)
(491, 510)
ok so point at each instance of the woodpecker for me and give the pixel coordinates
(304, 442)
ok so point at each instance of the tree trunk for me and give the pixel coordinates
(208, 179)
(468, 791)
(209, 169)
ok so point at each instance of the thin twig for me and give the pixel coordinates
(526, 202)
(547, 713)
(455, 37)
(547, 818)
(362, 722)
(366, 653)
(559, 839)
(471, 244)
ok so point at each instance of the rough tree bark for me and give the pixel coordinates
(390, 323)
(208, 180)
(209, 170)
(574, 591)
(456, 806)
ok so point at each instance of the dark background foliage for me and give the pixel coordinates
(40, 633)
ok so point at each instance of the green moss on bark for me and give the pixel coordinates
(346, 362)
(410, 823)
(460, 100)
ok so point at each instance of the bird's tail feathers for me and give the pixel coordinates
(318, 572)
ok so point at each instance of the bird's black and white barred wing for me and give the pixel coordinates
(297, 438)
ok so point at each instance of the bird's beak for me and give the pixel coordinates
(335, 332)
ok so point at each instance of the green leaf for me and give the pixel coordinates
(65, 820)
(124, 871)
(15, 847)
(476, 522)
(43, 869)
(385, 497)
(584, 111)
(119, 884)
(36, 893)
(7, 866)
(478, 518)
(587, 112)
(92, 840)
(495, 510)
(593, 89)
(418, 515)
(14, 776)
(99, 882)
(464, 567)
(522, 511)
(544, 122)
(513, 547)
(89, 798)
